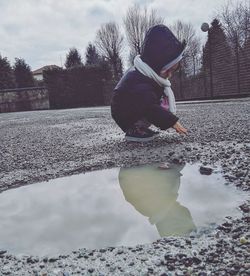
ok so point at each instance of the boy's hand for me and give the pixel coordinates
(179, 128)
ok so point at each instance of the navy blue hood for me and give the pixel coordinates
(160, 47)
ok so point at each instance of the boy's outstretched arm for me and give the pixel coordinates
(164, 119)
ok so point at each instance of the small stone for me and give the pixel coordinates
(57, 271)
(188, 242)
(206, 170)
(236, 236)
(150, 270)
(196, 260)
(171, 267)
(244, 208)
(202, 274)
(243, 240)
(176, 160)
(144, 258)
(164, 166)
(227, 224)
(53, 259)
(157, 262)
(6, 270)
(189, 261)
(120, 251)
(240, 174)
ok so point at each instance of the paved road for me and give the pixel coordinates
(41, 145)
(44, 144)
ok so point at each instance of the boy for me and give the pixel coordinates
(138, 94)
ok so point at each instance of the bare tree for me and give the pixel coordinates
(235, 18)
(185, 31)
(109, 42)
(136, 23)
(195, 54)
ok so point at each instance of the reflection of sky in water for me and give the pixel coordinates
(207, 198)
(89, 210)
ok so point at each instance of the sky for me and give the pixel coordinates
(43, 31)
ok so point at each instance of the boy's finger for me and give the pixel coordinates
(183, 130)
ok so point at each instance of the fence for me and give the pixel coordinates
(23, 99)
(224, 70)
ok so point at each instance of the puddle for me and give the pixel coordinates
(126, 206)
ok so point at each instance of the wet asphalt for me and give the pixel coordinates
(42, 145)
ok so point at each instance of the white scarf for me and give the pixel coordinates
(146, 70)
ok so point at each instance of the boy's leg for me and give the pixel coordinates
(143, 123)
(137, 134)
(141, 132)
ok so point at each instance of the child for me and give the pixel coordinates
(136, 102)
(157, 202)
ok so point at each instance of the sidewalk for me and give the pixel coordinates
(215, 101)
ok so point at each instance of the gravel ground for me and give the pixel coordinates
(41, 145)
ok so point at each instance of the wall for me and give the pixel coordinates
(24, 99)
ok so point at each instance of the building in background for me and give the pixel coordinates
(38, 74)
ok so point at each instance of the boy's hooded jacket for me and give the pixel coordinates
(137, 96)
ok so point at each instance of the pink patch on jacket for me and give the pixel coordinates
(164, 103)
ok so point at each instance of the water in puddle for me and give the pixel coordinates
(113, 207)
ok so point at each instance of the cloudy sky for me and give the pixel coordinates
(42, 31)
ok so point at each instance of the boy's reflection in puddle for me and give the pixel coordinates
(153, 192)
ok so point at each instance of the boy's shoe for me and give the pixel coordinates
(138, 135)
(150, 131)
